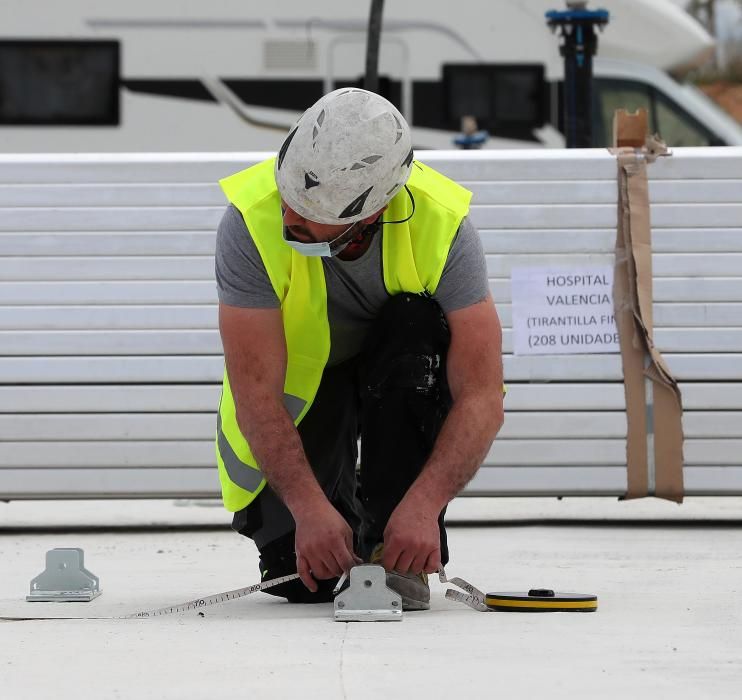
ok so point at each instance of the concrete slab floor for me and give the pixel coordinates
(669, 623)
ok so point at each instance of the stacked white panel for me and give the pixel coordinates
(110, 360)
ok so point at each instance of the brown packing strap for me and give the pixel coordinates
(654, 442)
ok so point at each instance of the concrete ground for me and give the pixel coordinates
(669, 623)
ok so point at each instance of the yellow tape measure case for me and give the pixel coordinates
(541, 600)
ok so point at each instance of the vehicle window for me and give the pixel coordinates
(666, 117)
(508, 100)
(611, 95)
(59, 82)
(677, 128)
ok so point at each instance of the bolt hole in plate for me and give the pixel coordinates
(367, 597)
(541, 600)
(65, 578)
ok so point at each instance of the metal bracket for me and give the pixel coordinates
(368, 599)
(65, 579)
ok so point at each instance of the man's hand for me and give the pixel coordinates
(412, 539)
(324, 545)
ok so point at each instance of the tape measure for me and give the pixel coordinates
(536, 600)
(541, 600)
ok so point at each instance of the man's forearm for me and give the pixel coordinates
(277, 447)
(463, 442)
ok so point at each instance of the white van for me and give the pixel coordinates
(85, 76)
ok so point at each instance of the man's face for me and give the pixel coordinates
(306, 231)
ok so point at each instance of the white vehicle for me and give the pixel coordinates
(234, 75)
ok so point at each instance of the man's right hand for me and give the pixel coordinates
(324, 545)
(257, 373)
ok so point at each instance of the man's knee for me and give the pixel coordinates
(412, 320)
(407, 348)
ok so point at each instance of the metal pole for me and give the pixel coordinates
(579, 45)
(371, 79)
(578, 50)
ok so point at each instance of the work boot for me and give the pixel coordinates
(413, 588)
(279, 559)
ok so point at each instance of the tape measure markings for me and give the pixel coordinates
(472, 597)
(214, 599)
(474, 600)
(171, 609)
(470, 600)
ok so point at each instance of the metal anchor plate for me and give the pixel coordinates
(65, 579)
(367, 598)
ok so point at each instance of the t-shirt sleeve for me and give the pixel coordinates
(464, 280)
(241, 277)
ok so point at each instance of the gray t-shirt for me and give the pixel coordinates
(355, 288)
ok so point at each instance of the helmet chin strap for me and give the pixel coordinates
(401, 221)
(373, 228)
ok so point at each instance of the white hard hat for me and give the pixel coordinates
(345, 159)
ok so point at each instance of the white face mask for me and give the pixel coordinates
(321, 249)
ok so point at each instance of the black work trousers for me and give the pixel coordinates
(395, 397)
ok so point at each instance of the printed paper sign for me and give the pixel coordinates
(563, 311)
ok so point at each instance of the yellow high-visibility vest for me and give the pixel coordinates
(413, 256)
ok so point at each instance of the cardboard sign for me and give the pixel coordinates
(563, 311)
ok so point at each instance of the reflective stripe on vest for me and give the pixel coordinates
(413, 256)
(245, 476)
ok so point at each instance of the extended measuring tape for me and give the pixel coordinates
(196, 604)
(536, 600)
(214, 599)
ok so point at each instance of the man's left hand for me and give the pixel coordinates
(412, 540)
